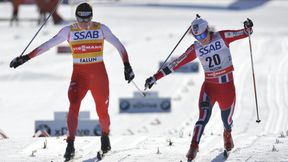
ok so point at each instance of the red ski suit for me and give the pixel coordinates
(89, 71)
(218, 86)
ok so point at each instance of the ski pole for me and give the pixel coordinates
(173, 49)
(172, 52)
(253, 74)
(59, 2)
(143, 94)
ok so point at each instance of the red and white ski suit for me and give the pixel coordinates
(89, 71)
(218, 86)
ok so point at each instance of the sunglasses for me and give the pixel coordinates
(201, 36)
(83, 19)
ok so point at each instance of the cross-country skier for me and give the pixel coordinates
(86, 39)
(212, 49)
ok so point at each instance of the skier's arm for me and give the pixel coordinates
(188, 56)
(111, 38)
(57, 39)
(60, 37)
(232, 35)
(185, 58)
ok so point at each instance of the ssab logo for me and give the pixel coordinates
(210, 48)
(85, 35)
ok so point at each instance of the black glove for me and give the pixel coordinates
(19, 61)
(248, 24)
(150, 82)
(128, 72)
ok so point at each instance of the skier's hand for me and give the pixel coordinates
(248, 23)
(19, 61)
(128, 72)
(150, 82)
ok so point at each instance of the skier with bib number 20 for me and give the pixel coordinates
(212, 49)
(86, 39)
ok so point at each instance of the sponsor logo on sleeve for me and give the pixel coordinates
(233, 34)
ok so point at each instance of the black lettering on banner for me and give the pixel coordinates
(57, 132)
(214, 60)
(64, 130)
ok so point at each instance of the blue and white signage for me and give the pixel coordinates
(150, 103)
(58, 126)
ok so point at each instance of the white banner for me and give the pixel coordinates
(58, 126)
(151, 103)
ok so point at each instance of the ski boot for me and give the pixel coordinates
(105, 143)
(228, 141)
(70, 150)
(192, 151)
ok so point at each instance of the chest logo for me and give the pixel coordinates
(210, 48)
(85, 35)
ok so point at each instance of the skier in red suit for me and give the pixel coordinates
(86, 39)
(212, 49)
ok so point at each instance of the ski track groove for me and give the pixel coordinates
(279, 95)
(276, 115)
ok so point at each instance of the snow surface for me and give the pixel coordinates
(150, 30)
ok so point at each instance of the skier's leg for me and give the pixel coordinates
(57, 19)
(227, 104)
(226, 100)
(77, 91)
(14, 17)
(100, 92)
(226, 116)
(205, 109)
(102, 103)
